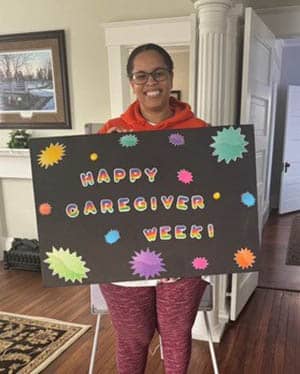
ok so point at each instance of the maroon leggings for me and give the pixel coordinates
(136, 312)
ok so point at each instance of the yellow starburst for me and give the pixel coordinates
(51, 155)
(244, 258)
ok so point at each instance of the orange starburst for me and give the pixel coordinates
(244, 258)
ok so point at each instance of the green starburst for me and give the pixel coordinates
(128, 141)
(229, 144)
(66, 265)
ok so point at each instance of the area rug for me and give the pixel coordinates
(293, 253)
(30, 344)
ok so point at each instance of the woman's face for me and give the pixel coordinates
(153, 96)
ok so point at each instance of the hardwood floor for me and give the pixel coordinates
(264, 340)
(274, 272)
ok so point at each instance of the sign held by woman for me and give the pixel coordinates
(144, 205)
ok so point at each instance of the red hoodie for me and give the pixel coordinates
(132, 119)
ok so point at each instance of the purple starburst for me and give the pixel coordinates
(147, 264)
(176, 139)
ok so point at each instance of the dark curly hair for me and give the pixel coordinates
(149, 47)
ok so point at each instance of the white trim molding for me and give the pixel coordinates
(15, 163)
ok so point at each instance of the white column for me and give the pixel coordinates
(217, 105)
(233, 66)
(212, 17)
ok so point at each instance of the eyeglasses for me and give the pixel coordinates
(141, 77)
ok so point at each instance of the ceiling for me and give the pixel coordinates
(263, 4)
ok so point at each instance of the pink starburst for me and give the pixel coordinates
(200, 263)
(176, 139)
(147, 264)
(185, 176)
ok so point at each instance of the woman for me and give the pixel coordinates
(168, 305)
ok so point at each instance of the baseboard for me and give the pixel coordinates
(199, 329)
(5, 245)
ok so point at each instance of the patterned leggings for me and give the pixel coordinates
(136, 312)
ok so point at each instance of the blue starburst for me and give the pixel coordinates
(248, 199)
(112, 236)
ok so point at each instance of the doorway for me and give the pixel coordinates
(287, 155)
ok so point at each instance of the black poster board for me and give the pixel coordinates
(146, 205)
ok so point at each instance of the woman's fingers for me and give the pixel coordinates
(118, 129)
(168, 280)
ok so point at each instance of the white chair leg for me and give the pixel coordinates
(161, 348)
(95, 341)
(211, 344)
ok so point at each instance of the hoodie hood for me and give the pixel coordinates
(134, 118)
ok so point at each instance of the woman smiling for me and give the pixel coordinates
(137, 308)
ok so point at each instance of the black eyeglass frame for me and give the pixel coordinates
(152, 73)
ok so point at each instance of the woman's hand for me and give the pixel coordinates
(117, 129)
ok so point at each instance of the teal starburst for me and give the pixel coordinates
(229, 144)
(128, 141)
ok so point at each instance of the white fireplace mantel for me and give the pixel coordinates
(15, 163)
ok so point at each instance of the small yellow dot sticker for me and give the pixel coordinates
(94, 156)
(217, 195)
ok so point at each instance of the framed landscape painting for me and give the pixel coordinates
(34, 81)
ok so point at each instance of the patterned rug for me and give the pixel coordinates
(293, 253)
(29, 344)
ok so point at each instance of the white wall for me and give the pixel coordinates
(87, 68)
(181, 73)
(271, 3)
(283, 22)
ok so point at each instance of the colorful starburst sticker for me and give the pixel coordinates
(248, 199)
(147, 264)
(176, 139)
(185, 176)
(244, 258)
(128, 141)
(229, 144)
(200, 263)
(51, 155)
(112, 236)
(66, 265)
